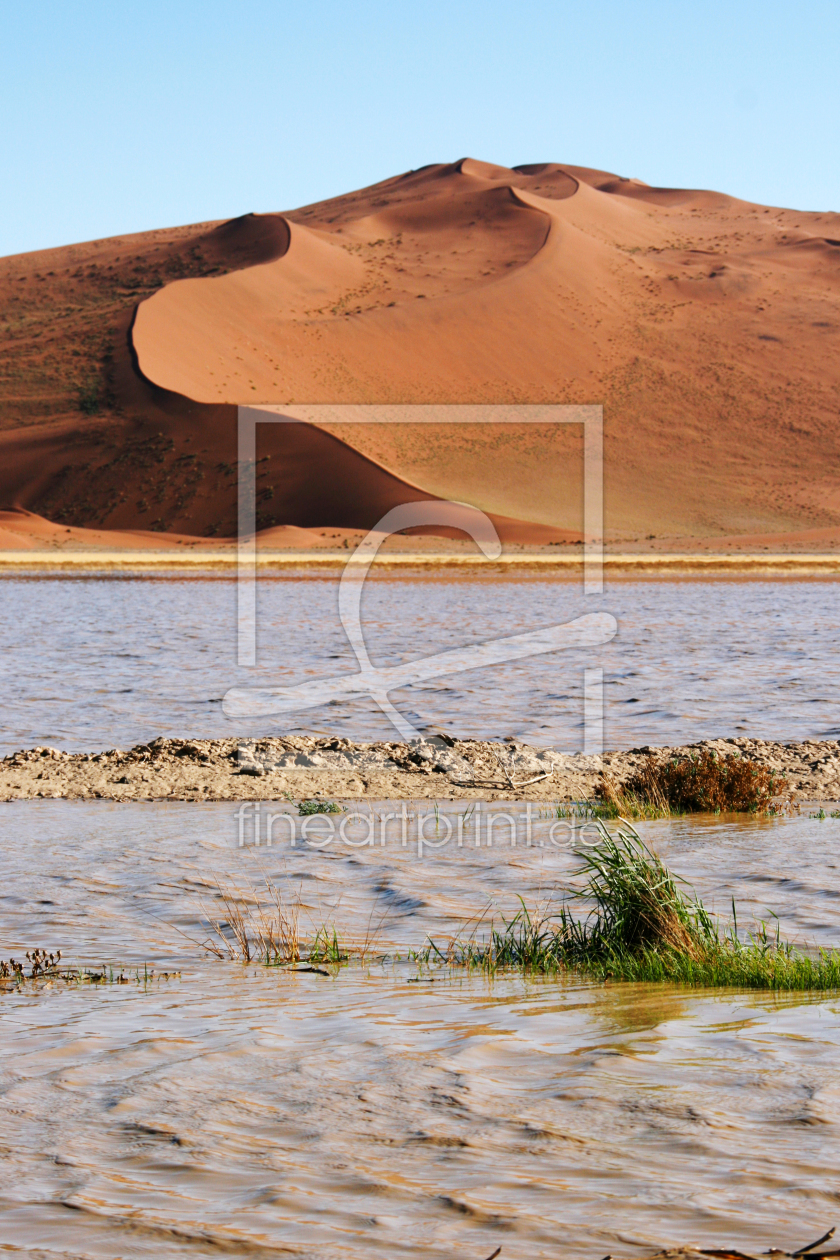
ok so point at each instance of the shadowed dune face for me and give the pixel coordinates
(708, 327)
(64, 312)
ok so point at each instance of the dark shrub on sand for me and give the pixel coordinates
(706, 783)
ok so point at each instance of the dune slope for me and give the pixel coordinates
(707, 326)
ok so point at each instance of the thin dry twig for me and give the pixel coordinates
(492, 783)
(504, 768)
(536, 779)
(811, 1246)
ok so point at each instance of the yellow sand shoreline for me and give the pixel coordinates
(16, 561)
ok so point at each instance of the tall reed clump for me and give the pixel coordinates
(634, 920)
(646, 800)
(701, 783)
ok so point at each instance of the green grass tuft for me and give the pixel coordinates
(619, 803)
(634, 920)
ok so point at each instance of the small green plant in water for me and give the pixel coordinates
(326, 947)
(319, 807)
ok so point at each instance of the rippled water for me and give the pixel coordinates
(381, 1111)
(99, 662)
(245, 1111)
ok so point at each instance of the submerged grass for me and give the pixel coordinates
(634, 920)
(630, 919)
(256, 922)
(252, 924)
(46, 968)
(621, 801)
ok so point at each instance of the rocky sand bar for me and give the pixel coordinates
(440, 768)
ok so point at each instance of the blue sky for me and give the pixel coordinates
(119, 118)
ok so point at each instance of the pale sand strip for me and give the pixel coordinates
(15, 561)
(302, 767)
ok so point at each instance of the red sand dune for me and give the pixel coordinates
(26, 531)
(707, 326)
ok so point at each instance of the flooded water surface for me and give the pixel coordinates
(208, 1107)
(97, 663)
(386, 1109)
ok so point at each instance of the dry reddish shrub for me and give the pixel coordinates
(707, 783)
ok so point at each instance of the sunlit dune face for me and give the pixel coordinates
(707, 327)
(223, 339)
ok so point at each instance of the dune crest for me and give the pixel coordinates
(707, 326)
